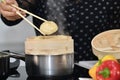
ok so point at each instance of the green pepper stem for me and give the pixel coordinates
(105, 72)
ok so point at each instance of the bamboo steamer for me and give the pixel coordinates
(49, 45)
(107, 42)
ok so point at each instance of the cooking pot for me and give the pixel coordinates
(49, 65)
(46, 65)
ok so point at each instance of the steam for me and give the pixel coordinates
(52, 6)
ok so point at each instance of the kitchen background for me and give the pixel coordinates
(13, 38)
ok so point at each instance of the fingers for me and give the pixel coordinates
(6, 7)
(12, 16)
(9, 1)
(8, 11)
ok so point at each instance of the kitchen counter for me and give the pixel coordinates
(20, 74)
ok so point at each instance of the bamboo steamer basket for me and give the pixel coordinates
(107, 42)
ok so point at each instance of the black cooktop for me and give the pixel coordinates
(20, 74)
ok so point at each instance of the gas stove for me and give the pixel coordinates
(20, 74)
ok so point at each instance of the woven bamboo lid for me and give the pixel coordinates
(107, 42)
(49, 45)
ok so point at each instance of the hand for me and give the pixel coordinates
(8, 11)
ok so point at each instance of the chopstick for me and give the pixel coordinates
(27, 19)
(29, 22)
(28, 12)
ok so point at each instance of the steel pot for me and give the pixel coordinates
(49, 65)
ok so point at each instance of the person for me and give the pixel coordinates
(81, 19)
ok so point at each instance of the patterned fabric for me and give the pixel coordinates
(82, 19)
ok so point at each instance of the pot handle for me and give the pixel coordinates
(14, 65)
(17, 56)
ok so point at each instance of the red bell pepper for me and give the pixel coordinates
(108, 70)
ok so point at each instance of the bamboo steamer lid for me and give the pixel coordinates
(49, 45)
(107, 43)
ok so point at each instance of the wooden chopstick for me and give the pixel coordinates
(28, 12)
(29, 22)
